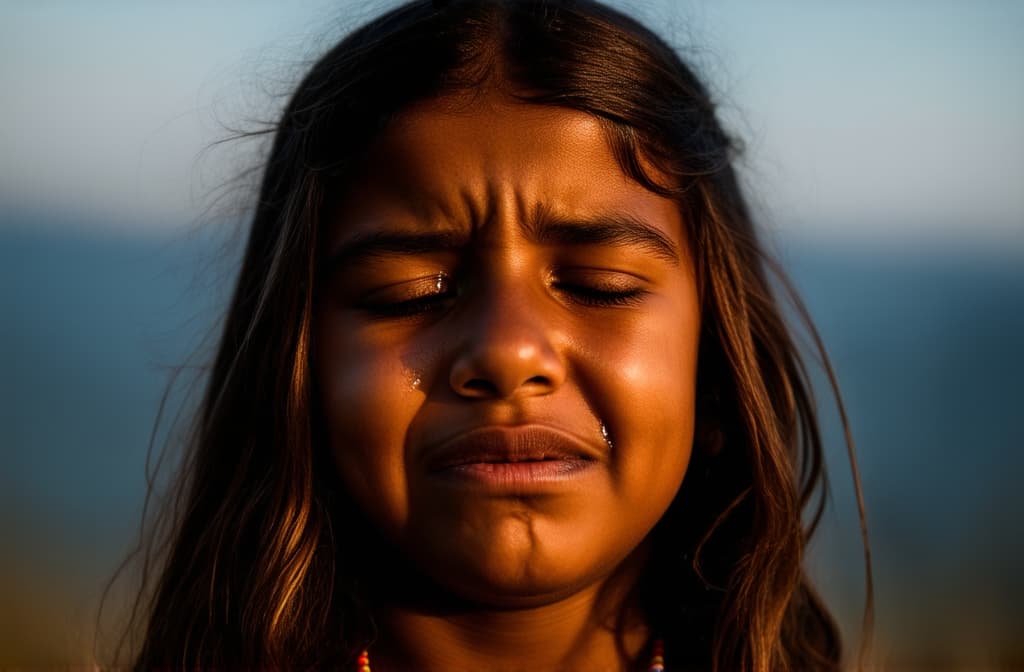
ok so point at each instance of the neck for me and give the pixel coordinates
(598, 627)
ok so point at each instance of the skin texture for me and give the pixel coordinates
(495, 284)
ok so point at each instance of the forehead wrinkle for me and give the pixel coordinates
(489, 200)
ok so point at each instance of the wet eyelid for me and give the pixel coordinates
(425, 285)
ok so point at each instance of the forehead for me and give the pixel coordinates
(477, 163)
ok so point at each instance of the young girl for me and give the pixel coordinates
(503, 384)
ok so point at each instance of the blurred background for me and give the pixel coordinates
(885, 155)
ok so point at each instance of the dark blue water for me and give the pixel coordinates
(92, 328)
(928, 350)
(927, 346)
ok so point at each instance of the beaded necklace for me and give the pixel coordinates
(657, 659)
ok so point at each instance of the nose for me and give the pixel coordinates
(506, 350)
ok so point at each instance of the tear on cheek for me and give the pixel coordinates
(414, 380)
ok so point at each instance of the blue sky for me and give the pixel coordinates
(863, 120)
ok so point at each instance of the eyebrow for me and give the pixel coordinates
(394, 243)
(606, 229)
(610, 229)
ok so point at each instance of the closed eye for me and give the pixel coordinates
(598, 288)
(411, 298)
(593, 296)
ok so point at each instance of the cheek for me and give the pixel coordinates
(644, 382)
(368, 400)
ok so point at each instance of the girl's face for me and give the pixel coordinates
(506, 348)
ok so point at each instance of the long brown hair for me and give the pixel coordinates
(256, 570)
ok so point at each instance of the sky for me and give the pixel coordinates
(870, 120)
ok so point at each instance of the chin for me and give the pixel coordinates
(522, 579)
(517, 591)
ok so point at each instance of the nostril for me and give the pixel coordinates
(480, 386)
(538, 380)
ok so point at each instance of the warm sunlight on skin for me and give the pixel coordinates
(506, 350)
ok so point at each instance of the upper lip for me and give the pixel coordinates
(507, 444)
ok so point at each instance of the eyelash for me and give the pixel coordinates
(593, 297)
(582, 294)
(410, 307)
(416, 305)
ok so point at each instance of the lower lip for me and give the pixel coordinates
(518, 474)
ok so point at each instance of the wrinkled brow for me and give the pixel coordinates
(607, 229)
(392, 243)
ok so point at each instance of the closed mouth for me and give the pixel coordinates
(527, 450)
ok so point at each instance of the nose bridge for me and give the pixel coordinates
(508, 347)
